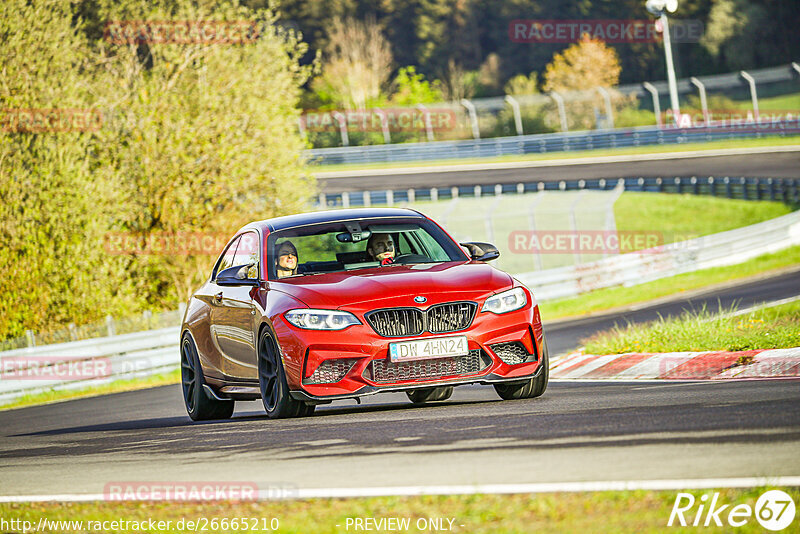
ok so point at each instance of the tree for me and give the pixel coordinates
(357, 64)
(195, 137)
(584, 65)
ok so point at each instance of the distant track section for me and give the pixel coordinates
(783, 163)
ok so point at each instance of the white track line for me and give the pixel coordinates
(554, 487)
(557, 162)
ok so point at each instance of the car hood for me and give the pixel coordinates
(437, 282)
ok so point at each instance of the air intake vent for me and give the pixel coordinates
(385, 371)
(331, 371)
(511, 353)
(450, 317)
(438, 319)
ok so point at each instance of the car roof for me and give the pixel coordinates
(317, 217)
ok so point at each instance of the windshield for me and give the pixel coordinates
(357, 244)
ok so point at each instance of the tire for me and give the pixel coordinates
(199, 405)
(532, 388)
(272, 382)
(423, 395)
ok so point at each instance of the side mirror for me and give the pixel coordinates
(236, 276)
(481, 251)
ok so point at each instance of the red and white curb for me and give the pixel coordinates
(774, 363)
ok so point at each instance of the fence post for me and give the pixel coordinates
(703, 102)
(387, 136)
(340, 118)
(31, 336)
(609, 109)
(412, 197)
(753, 95)
(322, 200)
(434, 194)
(110, 326)
(574, 223)
(389, 197)
(532, 222)
(367, 198)
(656, 104)
(517, 115)
(728, 188)
(345, 199)
(562, 112)
(473, 117)
(427, 119)
(745, 193)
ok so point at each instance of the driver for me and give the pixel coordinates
(380, 247)
(286, 262)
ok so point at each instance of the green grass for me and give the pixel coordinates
(775, 327)
(609, 298)
(681, 217)
(650, 149)
(609, 511)
(118, 386)
(784, 103)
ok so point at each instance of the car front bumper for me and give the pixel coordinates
(365, 356)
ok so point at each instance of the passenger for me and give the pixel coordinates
(380, 247)
(286, 263)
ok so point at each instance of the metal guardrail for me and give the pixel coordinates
(152, 352)
(786, 190)
(90, 362)
(726, 248)
(553, 142)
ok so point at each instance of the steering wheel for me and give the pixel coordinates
(410, 258)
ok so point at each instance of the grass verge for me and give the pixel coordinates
(649, 149)
(614, 297)
(118, 386)
(609, 511)
(681, 217)
(775, 327)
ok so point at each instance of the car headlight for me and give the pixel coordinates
(321, 319)
(507, 301)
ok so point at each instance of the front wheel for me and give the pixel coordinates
(532, 388)
(199, 405)
(272, 381)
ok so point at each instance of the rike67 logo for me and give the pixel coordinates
(774, 510)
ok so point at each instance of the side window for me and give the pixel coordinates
(227, 258)
(247, 252)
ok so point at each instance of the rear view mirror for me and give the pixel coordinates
(481, 251)
(353, 237)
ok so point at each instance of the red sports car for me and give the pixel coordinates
(306, 309)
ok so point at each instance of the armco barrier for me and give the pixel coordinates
(146, 353)
(726, 248)
(115, 357)
(544, 143)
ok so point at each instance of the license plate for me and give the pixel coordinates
(435, 347)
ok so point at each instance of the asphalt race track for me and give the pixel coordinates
(777, 165)
(576, 432)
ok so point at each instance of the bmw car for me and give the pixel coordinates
(306, 309)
